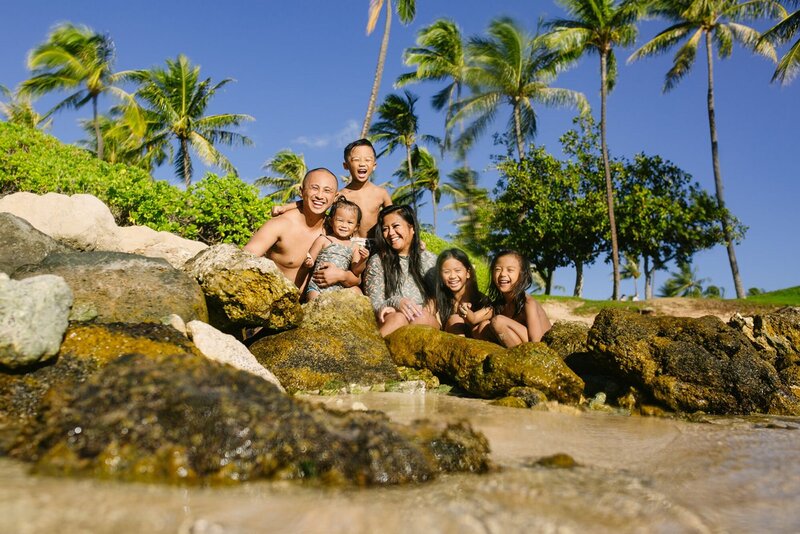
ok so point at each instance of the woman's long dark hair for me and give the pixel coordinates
(390, 259)
(442, 294)
(518, 292)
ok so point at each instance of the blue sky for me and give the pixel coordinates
(304, 70)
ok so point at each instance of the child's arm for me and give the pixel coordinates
(359, 261)
(536, 318)
(478, 316)
(313, 252)
(296, 205)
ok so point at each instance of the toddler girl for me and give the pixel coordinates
(518, 318)
(457, 303)
(336, 247)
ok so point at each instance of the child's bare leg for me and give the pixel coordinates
(426, 319)
(356, 290)
(509, 332)
(483, 331)
(311, 295)
(456, 325)
(392, 322)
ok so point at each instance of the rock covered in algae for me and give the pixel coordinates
(775, 334)
(337, 344)
(33, 317)
(111, 287)
(244, 290)
(483, 368)
(689, 365)
(185, 419)
(85, 349)
(566, 338)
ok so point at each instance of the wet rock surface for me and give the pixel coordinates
(566, 338)
(33, 317)
(22, 244)
(243, 290)
(483, 368)
(185, 419)
(689, 365)
(336, 345)
(118, 287)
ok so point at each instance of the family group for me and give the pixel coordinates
(365, 243)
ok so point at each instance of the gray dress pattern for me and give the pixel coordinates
(374, 285)
(337, 254)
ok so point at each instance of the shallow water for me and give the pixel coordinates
(635, 474)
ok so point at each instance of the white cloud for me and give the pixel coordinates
(347, 134)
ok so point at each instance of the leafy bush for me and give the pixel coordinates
(215, 210)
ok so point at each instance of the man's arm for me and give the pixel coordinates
(265, 237)
(328, 274)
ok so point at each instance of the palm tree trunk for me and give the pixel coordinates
(97, 133)
(433, 201)
(578, 291)
(376, 84)
(411, 177)
(607, 168)
(648, 279)
(187, 164)
(518, 131)
(726, 223)
(548, 281)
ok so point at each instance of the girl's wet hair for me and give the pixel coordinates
(442, 294)
(391, 260)
(518, 291)
(340, 203)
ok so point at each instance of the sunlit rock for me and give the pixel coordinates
(22, 244)
(337, 345)
(243, 290)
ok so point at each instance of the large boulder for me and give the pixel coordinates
(82, 222)
(33, 317)
(86, 349)
(689, 365)
(483, 368)
(148, 242)
(224, 348)
(186, 419)
(566, 338)
(243, 290)
(22, 244)
(117, 287)
(337, 345)
(775, 334)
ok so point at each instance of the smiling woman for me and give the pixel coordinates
(399, 276)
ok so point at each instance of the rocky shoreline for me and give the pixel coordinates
(122, 358)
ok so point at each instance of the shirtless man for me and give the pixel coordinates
(287, 239)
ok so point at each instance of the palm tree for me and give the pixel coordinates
(406, 10)
(630, 270)
(426, 178)
(177, 99)
(73, 56)
(597, 27)
(462, 186)
(18, 109)
(513, 68)
(397, 126)
(683, 283)
(439, 55)
(789, 65)
(712, 21)
(289, 168)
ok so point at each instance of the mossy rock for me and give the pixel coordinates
(689, 365)
(566, 337)
(85, 349)
(482, 368)
(187, 420)
(338, 342)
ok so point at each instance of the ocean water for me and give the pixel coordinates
(633, 474)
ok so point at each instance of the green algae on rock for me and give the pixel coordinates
(186, 420)
(483, 368)
(566, 338)
(689, 365)
(337, 343)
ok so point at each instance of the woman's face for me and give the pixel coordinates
(398, 233)
(506, 273)
(454, 275)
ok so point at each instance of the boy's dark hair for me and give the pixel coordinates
(518, 292)
(359, 142)
(391, 260)
(341, 202)
(442, 294)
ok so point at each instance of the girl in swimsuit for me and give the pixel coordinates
(336, 247)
